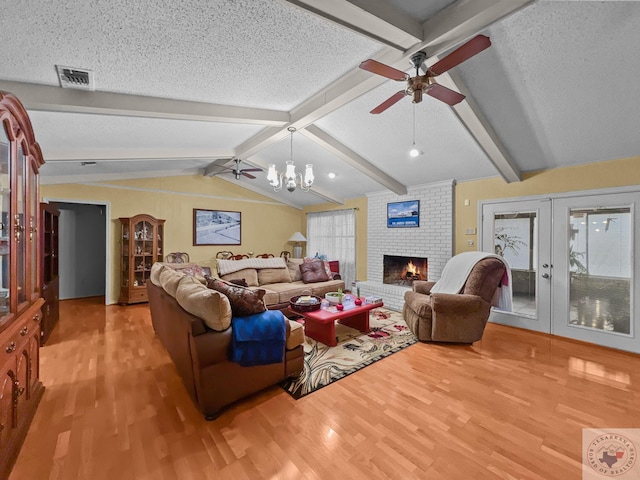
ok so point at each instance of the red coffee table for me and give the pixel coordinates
(321, 324)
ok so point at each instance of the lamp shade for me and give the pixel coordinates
(297, 237)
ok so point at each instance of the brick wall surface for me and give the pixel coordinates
(433, 239)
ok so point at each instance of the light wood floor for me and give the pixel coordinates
(511, 407)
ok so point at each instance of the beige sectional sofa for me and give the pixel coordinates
(281, 279)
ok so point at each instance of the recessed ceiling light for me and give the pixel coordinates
(332, 175)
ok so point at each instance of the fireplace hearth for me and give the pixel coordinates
(403, 270)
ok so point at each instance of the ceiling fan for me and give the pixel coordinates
(420, 84)
(217, 168)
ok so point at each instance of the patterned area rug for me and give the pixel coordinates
(355, 350)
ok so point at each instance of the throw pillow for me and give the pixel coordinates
(239, 281)
(313, 272)
(273, 275)
(249, 274)
(327, 268)
(169, 280)
(211, 306)
(244, 301)
(293, 264)
(154, 276)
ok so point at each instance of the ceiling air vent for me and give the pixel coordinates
(79, 78)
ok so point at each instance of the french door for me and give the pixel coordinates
(573, 265)
(520, 231)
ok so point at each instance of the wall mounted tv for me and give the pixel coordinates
(403, 214)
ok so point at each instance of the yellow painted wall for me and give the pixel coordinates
(360, 204)
(266, 224)
(609, 174)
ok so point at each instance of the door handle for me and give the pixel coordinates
(545, 265)
(545, 275)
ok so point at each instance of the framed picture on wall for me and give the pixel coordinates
(216, 227)
(403, 214)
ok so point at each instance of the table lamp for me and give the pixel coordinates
(296, 238)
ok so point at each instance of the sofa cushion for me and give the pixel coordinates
(244, 301)
(169, 280)
(296, 335)
(250, 275)
(287, 290)
(209, 305)
(293, 264)
(273, 275)
(271, 297)
(313, 272)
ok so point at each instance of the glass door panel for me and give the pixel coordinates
(5, 216)
(19, 229)
(594, 253)
(33, 229)
(520, 232)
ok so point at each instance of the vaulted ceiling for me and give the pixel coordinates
(181, 85)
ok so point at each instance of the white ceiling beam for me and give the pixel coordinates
(343, 152)
(120, 156)
(449, 27)
(376, 20)
(57, 99)
(464, 19)
(472, 118)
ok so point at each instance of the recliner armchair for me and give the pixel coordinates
(454, 317)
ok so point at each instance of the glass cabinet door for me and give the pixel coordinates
(5, 198)
(160, 236)
(19, 230)
(125, 255)
(33, 229)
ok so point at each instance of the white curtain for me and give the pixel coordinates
(333, 234)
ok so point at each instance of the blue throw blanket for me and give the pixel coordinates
(258, 339)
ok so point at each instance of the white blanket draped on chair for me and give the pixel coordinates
(458, 268)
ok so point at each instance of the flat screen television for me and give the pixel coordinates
(403, 214)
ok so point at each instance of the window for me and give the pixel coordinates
(333, 234)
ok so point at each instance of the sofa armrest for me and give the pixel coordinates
(422, 286)
(458, 317)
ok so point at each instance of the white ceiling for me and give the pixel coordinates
(181, 84)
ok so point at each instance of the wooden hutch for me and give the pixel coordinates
(20, 295)
(141, 241)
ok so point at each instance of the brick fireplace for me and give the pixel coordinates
(433, 240)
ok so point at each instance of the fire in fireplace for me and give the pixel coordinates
(403, 270)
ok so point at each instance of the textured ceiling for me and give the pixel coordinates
(558, 87)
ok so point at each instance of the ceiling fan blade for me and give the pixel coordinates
(248, 175)
(389, 102)
(251, 170)
(444, 94)
(374, 66)
(459, 55)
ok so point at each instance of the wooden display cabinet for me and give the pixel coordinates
(49, 219)
(20, 290)
(141, 240)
